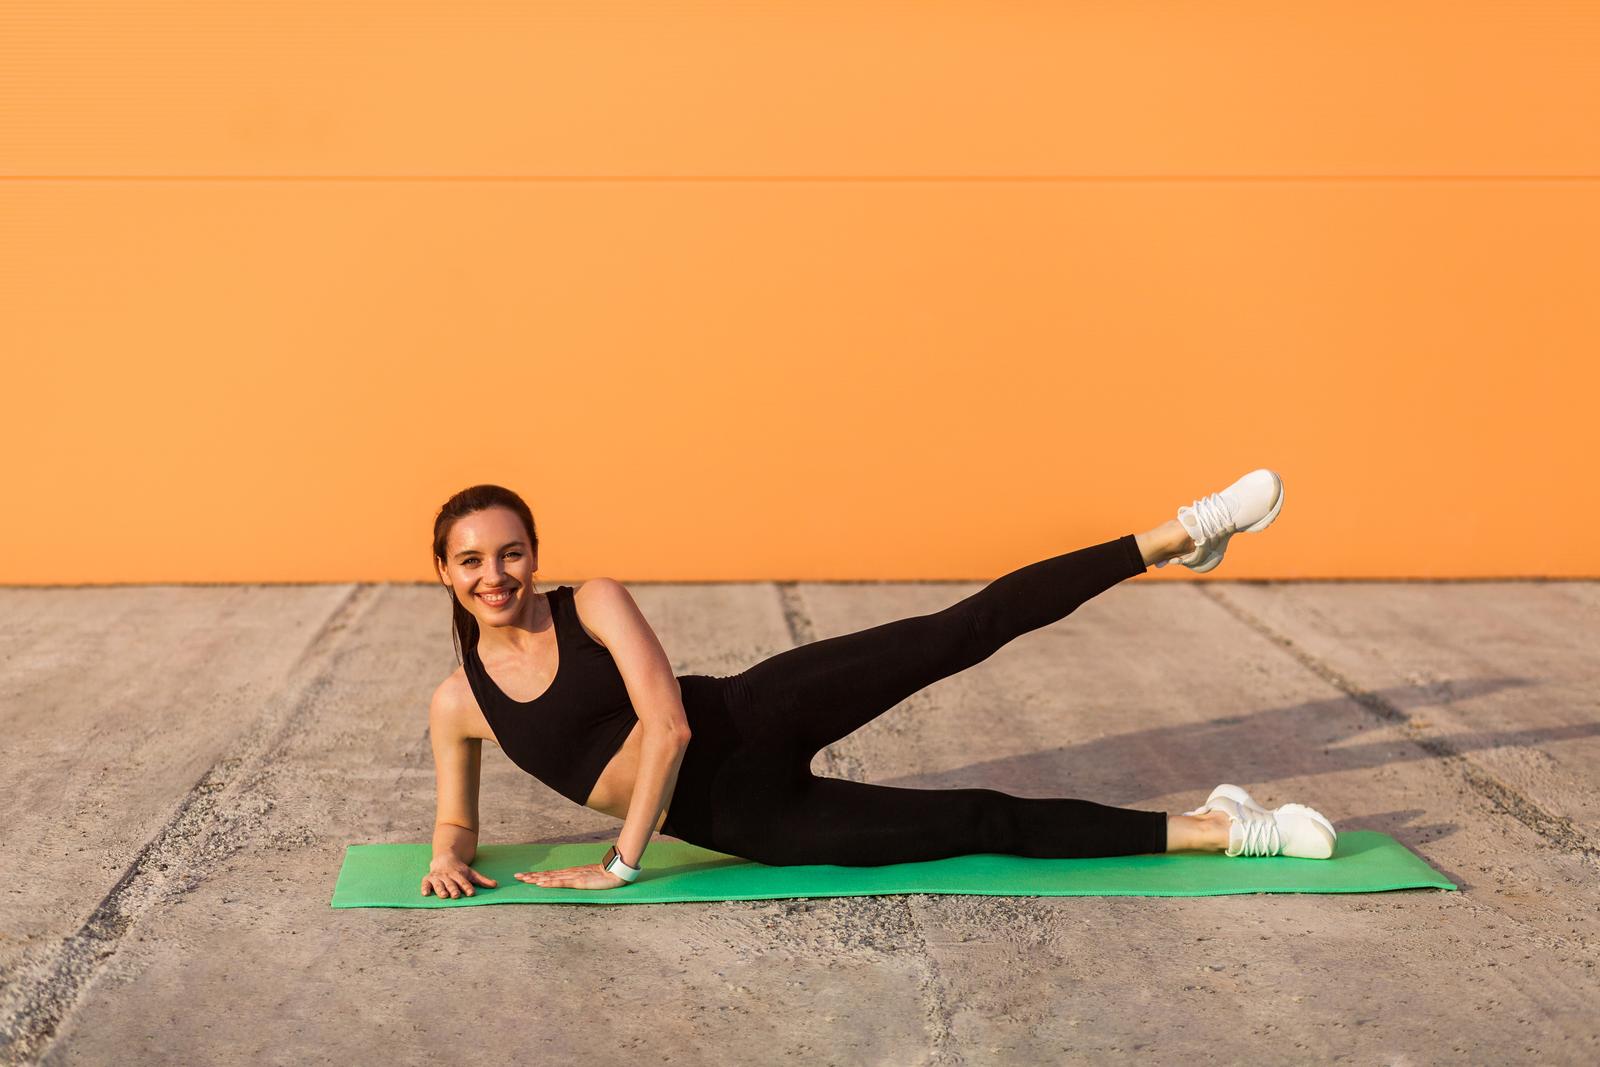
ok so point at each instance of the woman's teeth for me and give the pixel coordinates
(495, 600)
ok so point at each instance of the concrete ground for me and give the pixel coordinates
(184, 767)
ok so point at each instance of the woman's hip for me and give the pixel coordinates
(712, 739)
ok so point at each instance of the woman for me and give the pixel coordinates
(575, 688)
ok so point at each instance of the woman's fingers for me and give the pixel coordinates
(455, 883)
(442, 885)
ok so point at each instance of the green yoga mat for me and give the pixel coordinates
(390, 876)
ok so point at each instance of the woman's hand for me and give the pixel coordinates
(448, 875)
(589, 876)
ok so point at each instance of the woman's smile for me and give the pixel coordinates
(498, 599)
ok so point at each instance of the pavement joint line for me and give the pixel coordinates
(213, 820)
(1558, 830)
(838, 760)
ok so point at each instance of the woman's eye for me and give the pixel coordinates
(473, 562)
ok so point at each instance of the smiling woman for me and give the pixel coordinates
(577, 690)
(573, 685)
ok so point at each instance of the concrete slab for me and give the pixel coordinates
(118, 705)
(1505, 674)
(208, 937)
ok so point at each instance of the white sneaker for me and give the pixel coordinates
(1247, 506)
(1293, 830)
(1245, 800)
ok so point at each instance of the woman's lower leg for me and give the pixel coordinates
(833, 820)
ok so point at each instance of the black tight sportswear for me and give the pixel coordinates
(745, 786)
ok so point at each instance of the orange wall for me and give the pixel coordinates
(795, 290)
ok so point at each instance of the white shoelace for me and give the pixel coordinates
(1211, 514)
(1261, 837)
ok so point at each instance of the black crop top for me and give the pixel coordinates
(566, 735)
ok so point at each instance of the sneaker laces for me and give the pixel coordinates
(1260, 837)
(1213, 518)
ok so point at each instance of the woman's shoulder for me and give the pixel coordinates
(454, 693)
(454, 710)
(597, 604)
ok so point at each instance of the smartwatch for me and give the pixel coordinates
(614, 864)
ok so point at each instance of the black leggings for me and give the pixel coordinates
(745, 785)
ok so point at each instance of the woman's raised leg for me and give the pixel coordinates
(811, 696)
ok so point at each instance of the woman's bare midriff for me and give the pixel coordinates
(612, 791)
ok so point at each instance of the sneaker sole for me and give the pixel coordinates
(1242, 797)
(1266, 520)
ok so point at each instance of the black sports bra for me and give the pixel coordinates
(566, 735)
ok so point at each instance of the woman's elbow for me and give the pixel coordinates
(667, 733)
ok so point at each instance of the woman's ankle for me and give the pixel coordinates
(1198, 833)
(1166, 541)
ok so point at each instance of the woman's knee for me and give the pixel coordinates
(964, 634)
(993, 821)
(752, 832)
(771, 849)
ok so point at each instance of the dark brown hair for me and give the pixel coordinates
(463, 626)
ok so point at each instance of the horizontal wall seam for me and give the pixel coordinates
(933, 178)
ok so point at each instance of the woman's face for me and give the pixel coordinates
(488, 553)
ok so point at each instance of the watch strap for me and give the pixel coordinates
(614, 864)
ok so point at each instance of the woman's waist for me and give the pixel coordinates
(708, 704)
(712, 738)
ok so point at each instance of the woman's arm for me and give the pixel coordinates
(457, 759)
(660, 756)
(457, 769)
(609, 610)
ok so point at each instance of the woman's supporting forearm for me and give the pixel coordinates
(660, 756)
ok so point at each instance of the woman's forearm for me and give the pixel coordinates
(660, 756)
